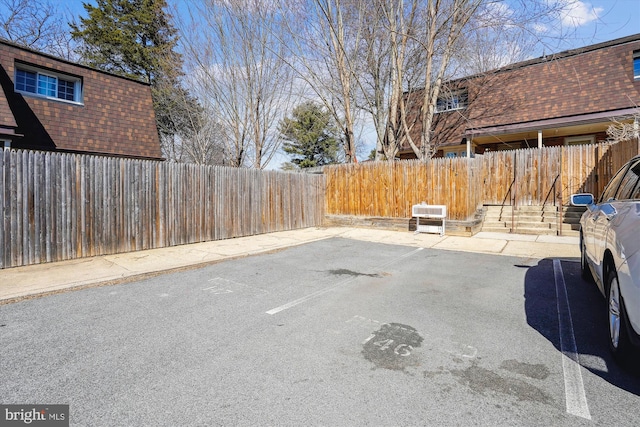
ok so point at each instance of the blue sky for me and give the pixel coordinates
(594, 21)
(602, 20)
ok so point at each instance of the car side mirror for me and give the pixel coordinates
(581, 199)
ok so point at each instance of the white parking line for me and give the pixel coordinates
(576, 399)
(330, 288)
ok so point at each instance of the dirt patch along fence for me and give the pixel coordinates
(546, 176)
(56, 207)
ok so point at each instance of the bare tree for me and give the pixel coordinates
(411, 49)
(37, 24)
(625, 128)
(195, 136)
(203, 147)
(234, 61)
(322, 48)
(447, 32)
(392, 59)
(444, 22)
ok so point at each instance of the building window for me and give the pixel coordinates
(580, 140)
(636, 65)
(452, 101)
(48, 84)
(66, 90)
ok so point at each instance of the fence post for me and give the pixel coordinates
(560, 204)
(514, 193)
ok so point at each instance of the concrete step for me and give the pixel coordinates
(538, 231)
(508, 208)
(496, 229)
(536, 209)
(532, 219)
(535, 225)
(547, 217)
(576, 223)
(574, 227)
(496, 224)
(572, 217)
(574, 208)
(537, 218)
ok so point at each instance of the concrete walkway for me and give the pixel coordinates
(21, 282)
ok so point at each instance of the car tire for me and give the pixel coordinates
(584, 266)
(619, 342)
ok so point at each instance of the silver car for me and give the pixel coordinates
(610, 248)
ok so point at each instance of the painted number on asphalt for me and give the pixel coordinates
(401, 350)
(391, 345)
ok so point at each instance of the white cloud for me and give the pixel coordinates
(540, 28)
(576, 13)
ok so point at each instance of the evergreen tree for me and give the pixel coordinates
(135, 39)
(309, 136)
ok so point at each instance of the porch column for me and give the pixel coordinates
(539, 139)
(468, 148)
(636, 131)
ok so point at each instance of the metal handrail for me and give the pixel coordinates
(553, 187)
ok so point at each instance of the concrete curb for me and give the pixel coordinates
(44, 279)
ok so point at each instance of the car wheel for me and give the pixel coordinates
(584, 266)
(616, 320)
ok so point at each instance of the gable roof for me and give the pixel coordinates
(66, 61)
(114, 115)
(579, 88)
(556, 56)
(8, 122)
(593, 83)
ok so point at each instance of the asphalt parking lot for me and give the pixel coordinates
(334, 332)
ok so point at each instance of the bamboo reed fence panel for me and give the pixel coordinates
(57, 206)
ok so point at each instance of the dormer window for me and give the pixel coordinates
(636, 65)
(456, 100)
(33, 81)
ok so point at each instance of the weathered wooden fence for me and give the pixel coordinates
(389, 189)
(521, 177)
(63, 206)
(550, 175)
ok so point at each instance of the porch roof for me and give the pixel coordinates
(603, 119)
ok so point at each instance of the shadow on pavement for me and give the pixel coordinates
(588, 314)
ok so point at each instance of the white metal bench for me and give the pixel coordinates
(429, 212)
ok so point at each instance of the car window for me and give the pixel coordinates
(611, 188)
(635, 193)
(629, 182)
